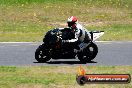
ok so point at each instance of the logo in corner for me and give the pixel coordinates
(83, 78)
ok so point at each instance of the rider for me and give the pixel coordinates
(80, 33)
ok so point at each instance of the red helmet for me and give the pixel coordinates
(72, 22)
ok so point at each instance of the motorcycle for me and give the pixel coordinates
(53, 47)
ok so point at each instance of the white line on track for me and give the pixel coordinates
(33, 44)
(41, 42)
(18, 42)
(113, 41)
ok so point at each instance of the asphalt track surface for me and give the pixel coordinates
(110, 53)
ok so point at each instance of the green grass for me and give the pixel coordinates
(28, 20)
(114, 3)
(57, 76)
(115, 32)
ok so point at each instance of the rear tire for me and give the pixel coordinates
(41, 54)
(89, 53)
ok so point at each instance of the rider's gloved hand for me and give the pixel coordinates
(65, 41)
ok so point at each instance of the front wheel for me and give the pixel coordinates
(42, 54)
(89, 53)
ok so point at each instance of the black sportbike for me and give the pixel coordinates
(54, 48)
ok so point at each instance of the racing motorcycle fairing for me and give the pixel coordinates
(54, 48)
(96, 34)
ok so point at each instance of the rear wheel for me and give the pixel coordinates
(89, 53)
(42, 54)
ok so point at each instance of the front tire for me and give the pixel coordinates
(42, 54)
(89, 53)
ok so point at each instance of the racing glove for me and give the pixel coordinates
(65, 41)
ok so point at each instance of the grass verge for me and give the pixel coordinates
(28, 20)
(56, 77)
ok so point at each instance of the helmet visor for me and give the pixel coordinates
(70, 24)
